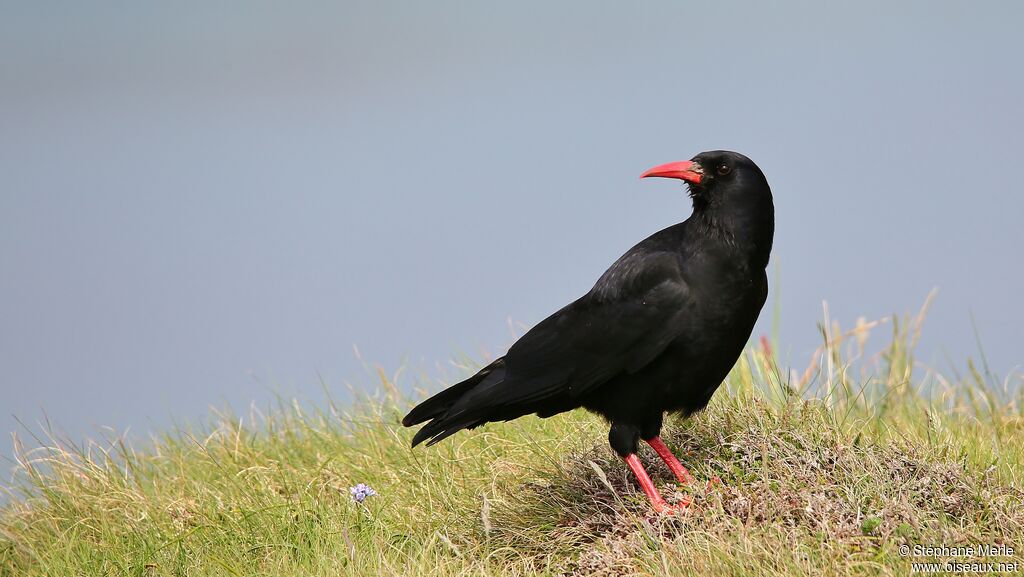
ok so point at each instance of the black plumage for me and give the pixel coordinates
(657, 333)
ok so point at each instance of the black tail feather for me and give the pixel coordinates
(440, 429)
(435, 408)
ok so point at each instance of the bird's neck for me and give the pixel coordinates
(750, 227)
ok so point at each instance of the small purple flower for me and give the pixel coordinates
(361, 491)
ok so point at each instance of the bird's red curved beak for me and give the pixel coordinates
(685, 170)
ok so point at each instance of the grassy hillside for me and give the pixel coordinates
(828, 470)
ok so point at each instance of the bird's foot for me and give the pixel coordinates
(713, 483)
(658, 503)
(680, 508)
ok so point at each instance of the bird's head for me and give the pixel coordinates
(717, 177)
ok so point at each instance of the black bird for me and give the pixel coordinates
(658, 333)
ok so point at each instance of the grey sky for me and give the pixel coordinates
(203, 203)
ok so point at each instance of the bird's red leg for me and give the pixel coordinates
(657, 501)
(666, 455)
(678, 469)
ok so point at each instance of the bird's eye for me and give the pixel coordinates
(723, 169)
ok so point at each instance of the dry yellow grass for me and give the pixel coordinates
(824, 471)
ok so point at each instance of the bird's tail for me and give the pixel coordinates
(436, 408)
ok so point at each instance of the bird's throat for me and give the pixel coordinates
(751, 229)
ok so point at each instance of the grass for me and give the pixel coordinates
(828, 470)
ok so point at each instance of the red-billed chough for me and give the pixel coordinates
(658, 332)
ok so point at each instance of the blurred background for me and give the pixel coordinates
(214, 203)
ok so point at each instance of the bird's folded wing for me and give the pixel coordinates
(619, 327)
